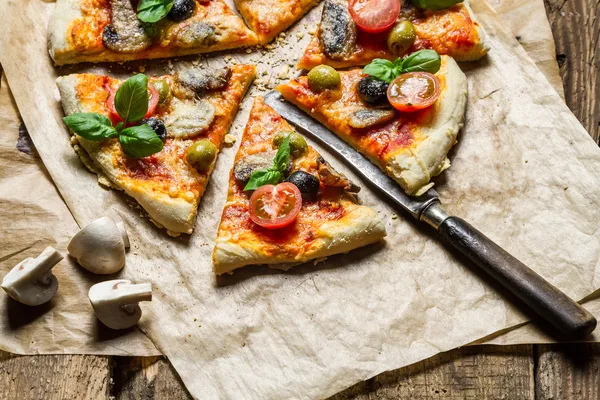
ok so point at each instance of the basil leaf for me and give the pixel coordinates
(131, 99)
(422, 61)
(140, 141)
(282, 158)
(120, 126)
(381, 69)
(435, 5)
(263, 177)
(153, 10)
(90, 126)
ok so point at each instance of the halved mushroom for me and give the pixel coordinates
(31, 281)
(125, 33)
(188, 119)
(116, 302)
(100, 246)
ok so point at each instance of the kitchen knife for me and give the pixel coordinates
(539, 294)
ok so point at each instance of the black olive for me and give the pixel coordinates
(157, 125)
(182, 9)
(307, 183)
(373, 91)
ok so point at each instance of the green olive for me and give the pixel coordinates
(164, 91)
(298, 145)
(323, 77)
(401, 37)
(201, 155)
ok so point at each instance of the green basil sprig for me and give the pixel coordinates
(435, 5)
(131, 103)
(152, 11)
(419, 61)
(273, 175)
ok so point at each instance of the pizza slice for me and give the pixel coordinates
(164, 160)
(270, 17)
(116, 30)
(340, 42)
(406, 127)
(311, 215)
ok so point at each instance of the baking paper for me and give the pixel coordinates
(523, 173)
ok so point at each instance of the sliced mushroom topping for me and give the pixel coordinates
(189, 118)
(246, 165)
(196, 33)
(195, 81)
(126, 33)
(338, 29)
(330, 177)
(369, 117)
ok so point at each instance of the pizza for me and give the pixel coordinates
(267, 18)
(405, 127)
(312, 214)
(164, 155)
(341, 42)
(111, 30)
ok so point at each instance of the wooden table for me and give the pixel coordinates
(562, 371)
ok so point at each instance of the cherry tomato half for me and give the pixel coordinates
(152, 102)
(414, 91)
(274, 207)
(374, 15)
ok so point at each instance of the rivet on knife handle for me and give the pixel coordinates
(539, 294)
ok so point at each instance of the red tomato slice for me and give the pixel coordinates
(374, 15)
(152, 102)
(414, 91)
(274, 207)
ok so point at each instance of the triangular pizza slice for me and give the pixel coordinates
(410, 145)
(340, 42)
(311, 214)
(267, 18)
(190, 112)
(122, 30)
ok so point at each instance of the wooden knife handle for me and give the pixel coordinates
(544, 298)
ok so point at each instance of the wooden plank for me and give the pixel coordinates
(146, 378)
(478, 372)
(576, 29)
(568, 372)
(65, 377)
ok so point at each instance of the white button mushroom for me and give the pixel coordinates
(100, 246)
(116, 302)
(31, 281)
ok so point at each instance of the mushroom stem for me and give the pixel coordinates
(128, 293)
(124, 235)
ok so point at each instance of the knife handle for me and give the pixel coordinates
(539, 294)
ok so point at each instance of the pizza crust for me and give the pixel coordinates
(413, 167)
(359, 227)
(231, 33)
(175, 214)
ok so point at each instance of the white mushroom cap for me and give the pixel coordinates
(116, 302)
(100, 246)
(31, 281)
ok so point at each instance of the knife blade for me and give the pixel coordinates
(532, 289)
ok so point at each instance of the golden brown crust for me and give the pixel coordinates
(164, 184)
(454, 32)
(332, 223)
(75, 33)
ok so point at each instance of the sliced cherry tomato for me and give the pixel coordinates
(374, 15)
(152, 102)
(274, 207)
(414, 91)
